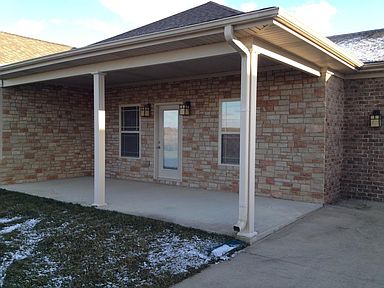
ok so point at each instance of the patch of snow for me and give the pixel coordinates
(10, 229)
(8, 220)
(26, 225)
(62, 281)
(173, 255)
(28, 239)
(50, 267)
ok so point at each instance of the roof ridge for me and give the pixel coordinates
(225, 7)
(355, 33)
(35, 39)
(181, 12)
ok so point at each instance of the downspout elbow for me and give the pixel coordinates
(234, 42)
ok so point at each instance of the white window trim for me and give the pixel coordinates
(220, 131)
(129, 132)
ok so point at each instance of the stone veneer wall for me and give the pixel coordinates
(334, 109)
(290, 134)
(47, 133)
(363, 165)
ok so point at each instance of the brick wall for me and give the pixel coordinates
(290, 134)
(334, 109)
(363, 165)
(47, 134)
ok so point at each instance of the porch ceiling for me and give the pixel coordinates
(216, 65)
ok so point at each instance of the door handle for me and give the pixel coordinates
(158, 147)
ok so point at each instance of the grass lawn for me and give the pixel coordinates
(46, 243)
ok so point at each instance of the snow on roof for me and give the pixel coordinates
(367, 46)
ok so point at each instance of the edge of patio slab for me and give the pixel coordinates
(277, 213)
(260, 236)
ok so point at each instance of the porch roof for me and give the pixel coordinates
(270, 28)
(200, 14)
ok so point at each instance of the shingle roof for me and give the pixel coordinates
(200, 14)
(367, 46)
(15, 48)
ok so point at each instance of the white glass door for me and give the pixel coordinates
(169, 142)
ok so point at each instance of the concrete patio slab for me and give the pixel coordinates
(206, 210)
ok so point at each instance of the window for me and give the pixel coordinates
(229, 132)
(130, 131)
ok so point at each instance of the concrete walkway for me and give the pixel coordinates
(337, 246)
(207, 210)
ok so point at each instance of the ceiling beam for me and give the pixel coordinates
(275, 53)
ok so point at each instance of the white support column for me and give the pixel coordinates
(99, 140)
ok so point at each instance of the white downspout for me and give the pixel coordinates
(244, 126)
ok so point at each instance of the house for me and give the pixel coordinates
(15, 48)
(211, 97)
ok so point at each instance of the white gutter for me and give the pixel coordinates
(369, 70)
(244, 125)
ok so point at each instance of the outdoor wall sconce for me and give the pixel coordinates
(185, 108)
(375, 119)
(145, 110)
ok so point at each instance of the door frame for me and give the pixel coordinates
(156, 154)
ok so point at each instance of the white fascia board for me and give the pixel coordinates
(133, 62)
(281, 56)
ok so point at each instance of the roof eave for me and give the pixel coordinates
(292, 23)
(373, 66)
(369, 70)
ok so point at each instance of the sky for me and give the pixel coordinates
(81, 22)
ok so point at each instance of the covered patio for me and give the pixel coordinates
(211, 211)
(273, 141)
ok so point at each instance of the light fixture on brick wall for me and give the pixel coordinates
(375, 119)
(145, 110)
(185, 108)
